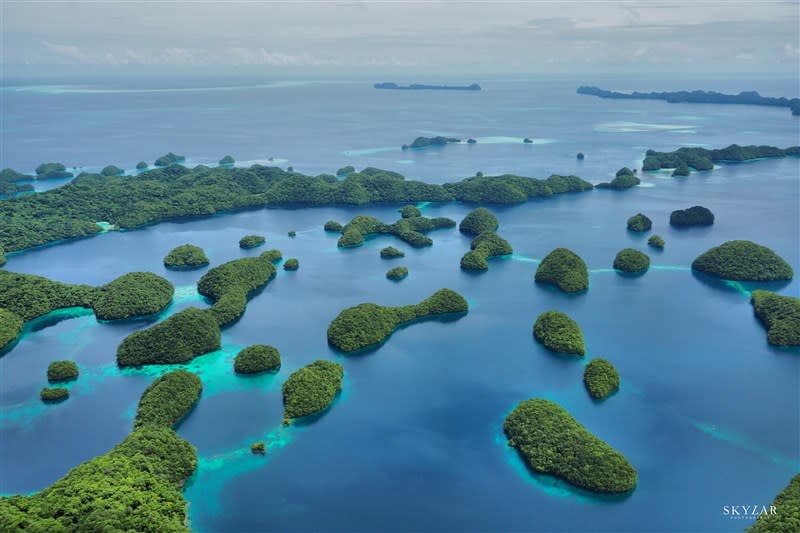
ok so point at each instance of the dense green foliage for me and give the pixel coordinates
(656, 241)
(30, 296)
(787, 513)
(485, 245)
(474, 260)
(600, 378)
(397, 273)
(369, 324)
(743, 261)
(271, 255)
(177, 339)
(132, 294)
(62, 371)
(9, 185)
(291, 264)
(2, 256)
(390, 252)
(10, 327)
(409, 230)
(112, 170)
(141, 165)
(251, 241)
(552, 442)
(692, 216)
(169, 159)
(186, 256)
(54, 394)
(559, 333)
(168, 399)
(410, 211)
(780, 315)
(257, 358)
(312, 388)
(639, 222)
(134, 487)
(227, 160)
(332, 225)
(704, 159)
(422, 142)
(52, 170)
(511, 189)
(344, 171)
(681, 171)
(230, 284)
(258, 448)
(630, 260)
(564, 269)
(477, 221)
(624, 179)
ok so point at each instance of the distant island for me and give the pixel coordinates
(683, 160)
(423, 87)
(422, 142)
(698, 97)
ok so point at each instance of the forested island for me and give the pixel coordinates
(601, 378)
(128, 202)
(186, 256)
(552, 442)
(559, 333)
(698, 97)
(410, 230)
(639, 223)
(624, 179)
(137, 486)
(256, 359)
(780, 315)
(656, 241)
(564, 269)
(251, 241)
(62, 371)
(423, 87)
(132, 294)
(368, 324)
(52, 395)
(632, 261)
(47, 171)
(743, 261)
(477, 221)
(311, 389)
(487, 244)
(10, 182)
(683, 160)
(787, 511)
(397, 273)
(424, 142)
(692, 216)
(10, 327)
(390, 252)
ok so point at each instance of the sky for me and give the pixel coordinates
(447, 37)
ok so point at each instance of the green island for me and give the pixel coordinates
(552, 442)
(112, 170)
(600, 378)
(227, 160)
(256, 359)
(696, 158)
(10, 327)
(409, 230)
(332, 225)
(169, 159)
(251, 241)
(52, 171)
(291, 233)
(291, 264)
(639, 223)
(656, 241)
(2, 256)
(743, 261)
(786, 518)
(368, 324)
(624, 179)
(344, 171)
(692, 216)
(186, 256)
(780, 315)
(390, 252)
(137, 486)
(9, 182)
(564, 269)
(485, 245)
(172, 192)
(397, 273)
(52, 394)
(559, 333)
(142, 165)
(477, 221)
(410, 211)
(311, 389)
(630, 260)
(423, 142)
(682, 171)
(62, 371)
(29, 296)
(133, 294)
(258, 448)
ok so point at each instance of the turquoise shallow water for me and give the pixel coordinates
(707, 411)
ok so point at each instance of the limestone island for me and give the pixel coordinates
(186, 256)
(656, 241)
(409, 230)
(692, 216)
(291, 264)
(743, 261)
(424, 142)
(487, 244)
(424, 87)
(787, 508)
(332, 225)
(47, 171)
(600, 378)
(10, 327)
(397, 273)
(780, 315)
(559, 333)
(169, 159)
(227, 161)
(564, 269)
(410, 211)
(311, 389)
(512, 189)
(112, 170)
(639, 223)
(698, 97)
(552, 442)
(344, 171)
(633, 261)
(390, 252)
(369, 324)
(686, 159)
(54, 394)
(133, 294)
(292, 233)
(477, 221)
(29, 296)
(62, 371)
(256, 359)
(251, 241)
(9, 183)
(624, 179)
(141, 165)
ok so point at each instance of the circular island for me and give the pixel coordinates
(186, 257)
(62, 371)
(632, 261)
(601, 378)
(256, 359)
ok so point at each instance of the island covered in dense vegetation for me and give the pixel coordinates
(559, 333)
(698, 158)
(424, 87)
(624, 179)
(743, 261)
(52, 394)
(133, 294)
(311, 389)
(424, 142)
(227, 161)
(656, 241)
(62, 371)
(780, 315)
(332, 225)
(10, 182)
(552, 442)
(251, 241)
(786, 517)
(257, 358)
(291, 264)
(477, 221)
(564, 269)
(410, 230)
(52, 171)
(631, 260)
(169, 159)
(485, 245)
(29, 296)
(692, 216)
(600, 378)
(698, 97)
(186, 256)
(390, 252)
(397, 273)
(10, 327)
(134, 487)
(639, 223)
(369, 324)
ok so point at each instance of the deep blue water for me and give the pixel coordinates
(707, 412)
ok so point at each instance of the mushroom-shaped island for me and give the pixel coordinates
(639, 223)
(131, 295)
(564, 269)
(559, 333)
(630, 260)
(601, 378)
(256, 359)
(186, 256)
(780, 315)
(693, 216)
(743, 261)
(477, 221)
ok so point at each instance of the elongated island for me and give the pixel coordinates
(424, 87)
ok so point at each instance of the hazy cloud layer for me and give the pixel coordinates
(446, 36)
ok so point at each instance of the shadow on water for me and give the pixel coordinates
(745, 288)
(637, 274)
